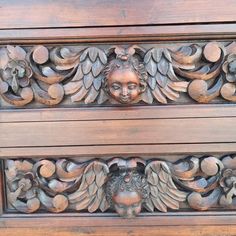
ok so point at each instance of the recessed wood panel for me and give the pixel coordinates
(108, 132)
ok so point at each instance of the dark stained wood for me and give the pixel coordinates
(127, 74)
(117, 113)
(127, 231)
(137, 184)
(2, 193)
(149, 131)
(190, 219)
(123, 34)
(84, 133)
(111, 34)
(42, 14)
(84, 152)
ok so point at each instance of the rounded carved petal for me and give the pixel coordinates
(212, 52)
(40, 55)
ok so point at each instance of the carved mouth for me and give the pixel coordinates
(125, 99)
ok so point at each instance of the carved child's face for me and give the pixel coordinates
(127, 204)
(123, 85)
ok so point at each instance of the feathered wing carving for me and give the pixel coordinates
(163, 192)
(162, 83)
(91, 192)
(87, 81)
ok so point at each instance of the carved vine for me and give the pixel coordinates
(119, 74)
(127, 186)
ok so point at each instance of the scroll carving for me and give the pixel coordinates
(127, 186)
(118, 74)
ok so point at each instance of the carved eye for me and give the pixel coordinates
(115, 86)
(132, 86)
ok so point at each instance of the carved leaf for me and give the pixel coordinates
(102, 97)
(93, 52)
(163, 192)
(159, 95)
(166, 84)
(72, 87)
(92, 95)
(147, 96)
(92, 61)
(83, 204)
(169, 93)
(152, 82)
(198, 90)
(90, 194)
(159, 204)
(79, 95)
(196, 201)
(3, 58)
(78, 75)
(161, 80)
(97, 67)
(151, 67)
(88, 80)
(16, 53)
(163, 66)
(86, 66)
(97, 83)
(149, 205)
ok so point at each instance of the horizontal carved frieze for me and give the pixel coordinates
(127, 186)
(125, 74)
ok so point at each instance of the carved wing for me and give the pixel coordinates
(163, 192)
(91, 194)
(87, 82)
(162, 83)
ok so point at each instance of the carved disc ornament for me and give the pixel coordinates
(127, 74)
(127, 186)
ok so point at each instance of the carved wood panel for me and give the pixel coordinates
(123, 74)
(127, 186)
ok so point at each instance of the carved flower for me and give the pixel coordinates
(14, 69)
(228, 179)
(228, 184)
(229, 67)
(21, 186)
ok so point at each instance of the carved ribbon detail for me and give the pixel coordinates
(117, 74)
(127, 186)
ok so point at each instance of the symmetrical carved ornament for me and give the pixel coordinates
(127, 186)
(117, 74)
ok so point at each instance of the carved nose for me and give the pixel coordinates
(124, 91)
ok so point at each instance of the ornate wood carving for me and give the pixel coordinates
(118, 74)
(127, 186)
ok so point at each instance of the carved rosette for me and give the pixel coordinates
(118, 74)
(127, 186)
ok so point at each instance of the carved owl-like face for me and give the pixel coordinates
(124, 85)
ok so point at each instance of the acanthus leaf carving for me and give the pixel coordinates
(117, 74)
(125, 185)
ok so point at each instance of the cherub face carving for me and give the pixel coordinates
(127, 204)
(125, 77)
(124, 85)
(126, 191)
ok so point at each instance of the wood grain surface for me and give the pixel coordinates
(44, 13)
(148, 131)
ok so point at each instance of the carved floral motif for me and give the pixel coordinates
(15, 74)
(127, 186)
(117, 74)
